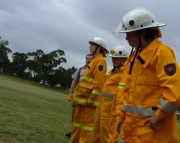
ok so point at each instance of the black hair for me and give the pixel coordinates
(149, 33)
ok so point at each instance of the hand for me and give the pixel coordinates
(70, 97)
(119, 125)
(153, 121)
(90, 102)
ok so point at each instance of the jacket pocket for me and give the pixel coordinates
(85, 89)
(147, 91)
(147, 81)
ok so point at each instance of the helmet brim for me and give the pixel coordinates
(119, 29)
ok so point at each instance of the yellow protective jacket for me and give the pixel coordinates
(109, 90)
(91, 81)
(152, 88)
(119, 98)
(116, 112)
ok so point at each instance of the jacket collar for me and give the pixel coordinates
(97, 57)
(148, 52)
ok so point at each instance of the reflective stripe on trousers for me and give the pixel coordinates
(84, 101)
(120, 140)
(138, 110)
(85, 128)
(105, 94)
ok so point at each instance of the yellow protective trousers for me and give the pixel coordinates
(102, 122)
(112, 133)
(83, 124)
(104, 118)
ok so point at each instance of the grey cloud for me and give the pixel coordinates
(69, 24)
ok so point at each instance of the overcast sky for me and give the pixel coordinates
(68, 25)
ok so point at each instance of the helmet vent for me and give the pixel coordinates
(131, 22)
(120, 52)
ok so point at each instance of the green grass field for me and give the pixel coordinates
(179, 127)
(30, 112)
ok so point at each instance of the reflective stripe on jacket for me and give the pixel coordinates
(120, 140)
(108, 95)
(138, 110)
(84, 101)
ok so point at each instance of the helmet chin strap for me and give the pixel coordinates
(114, 69)
(139, 47)
(94, 52)
(132, 50)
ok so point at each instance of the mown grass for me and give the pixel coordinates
(179, 128)
(30, 112)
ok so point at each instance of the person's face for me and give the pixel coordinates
(88, 59)
(132, 39)
(92, 48)
(116, 61)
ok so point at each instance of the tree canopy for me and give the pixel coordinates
(37, 65)
(4, 60)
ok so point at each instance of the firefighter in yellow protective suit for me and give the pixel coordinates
(117, 104)
(87, 92)
(110, 87)
(151, 92)
(76, 77)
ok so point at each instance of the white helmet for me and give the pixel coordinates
(99, 41)
(137, 19)
(118, 51)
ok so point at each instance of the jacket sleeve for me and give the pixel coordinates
(168, 74)
(99, 73)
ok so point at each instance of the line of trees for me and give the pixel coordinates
(36, 66)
